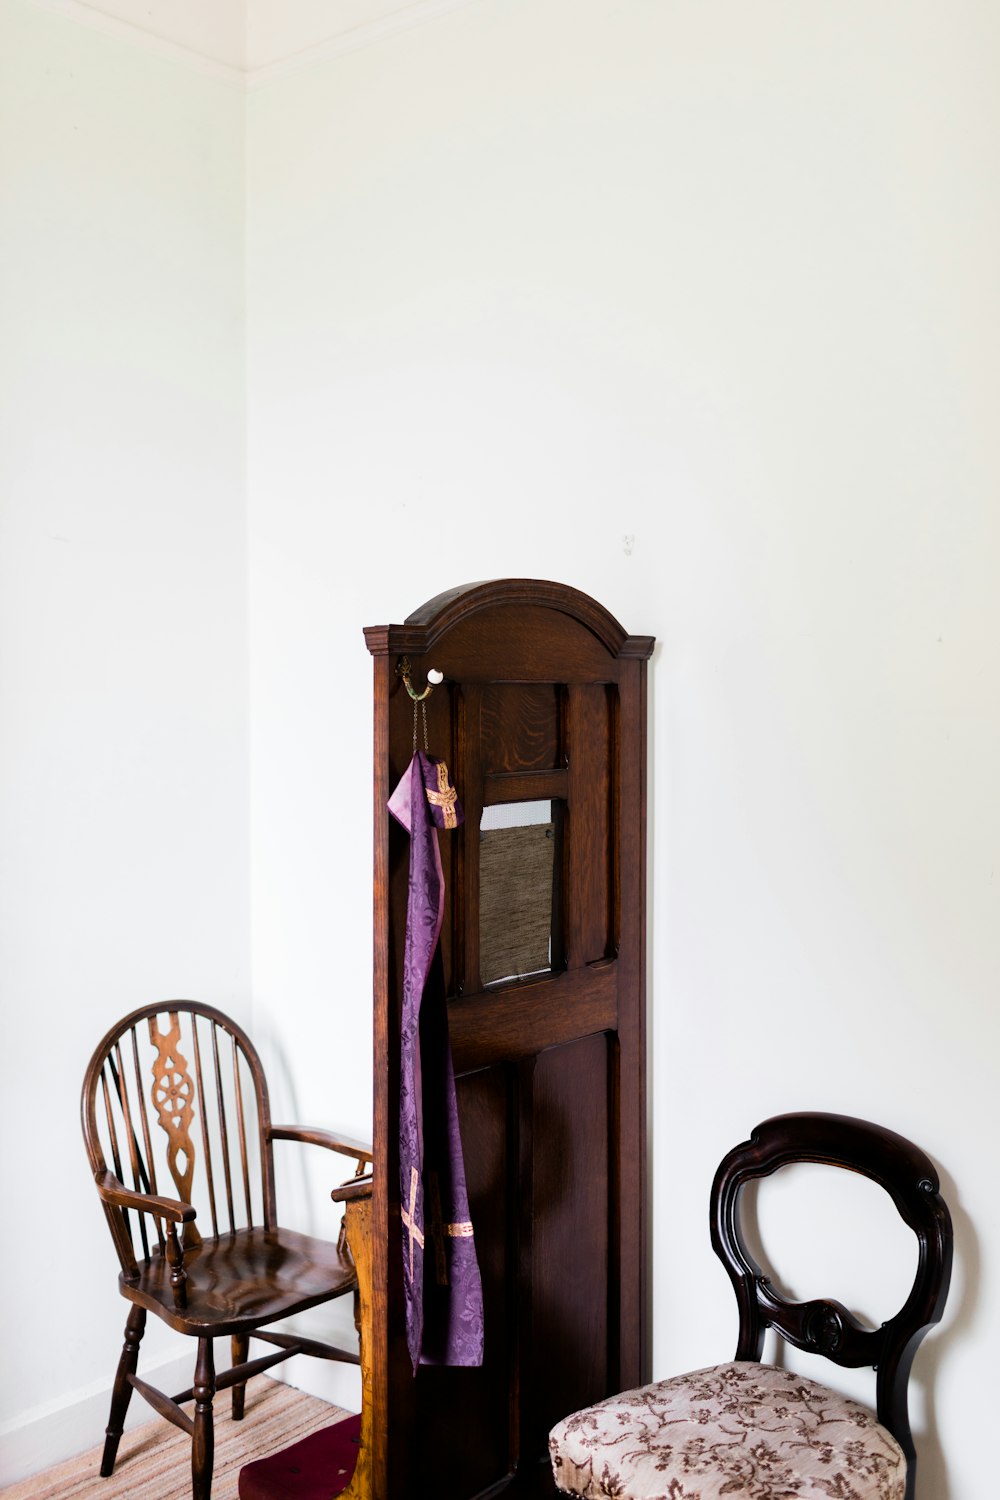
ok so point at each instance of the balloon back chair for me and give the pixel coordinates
(175, 1100)
(751, 1429)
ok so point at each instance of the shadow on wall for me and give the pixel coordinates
(932, 1472)
(290, 1166)
(300, 1200)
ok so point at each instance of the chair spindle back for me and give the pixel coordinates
(180, 1085)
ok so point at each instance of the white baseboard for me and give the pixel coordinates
(46, 1434)
(55, 1430)
(338, 1384)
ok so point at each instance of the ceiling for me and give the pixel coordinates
(251, 40)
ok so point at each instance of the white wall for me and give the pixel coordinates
(124, 802)
(693, 307)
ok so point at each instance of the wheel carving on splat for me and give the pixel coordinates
(173, 1095)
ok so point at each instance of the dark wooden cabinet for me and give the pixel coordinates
(543, 709)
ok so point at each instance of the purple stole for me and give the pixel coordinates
(444, 1294)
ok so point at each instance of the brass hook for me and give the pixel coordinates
(434, 677)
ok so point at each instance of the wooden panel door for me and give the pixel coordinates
(542, 715)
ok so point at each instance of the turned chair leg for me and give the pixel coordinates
(240, 1348)
(122, 1393)
(203, 1445)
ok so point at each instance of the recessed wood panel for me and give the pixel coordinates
(520, 727)
(570, 1199)
(590, 888)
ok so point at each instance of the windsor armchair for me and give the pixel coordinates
(201, 1126)
(749, 1428)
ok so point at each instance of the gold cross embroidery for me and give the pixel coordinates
(445, 797)
(410, 1218)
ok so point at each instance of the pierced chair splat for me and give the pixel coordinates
(175, 1098)
(752, 1429)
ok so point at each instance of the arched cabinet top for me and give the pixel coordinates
(426, 625)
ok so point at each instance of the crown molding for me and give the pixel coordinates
(403, 19)
(416, 13)
(96, 19)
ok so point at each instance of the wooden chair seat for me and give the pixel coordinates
(241, 1281)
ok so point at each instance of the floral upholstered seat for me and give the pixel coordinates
(740, 1429)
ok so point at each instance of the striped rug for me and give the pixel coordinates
(154, 1461)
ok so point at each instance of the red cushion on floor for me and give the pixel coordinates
(316, 1468)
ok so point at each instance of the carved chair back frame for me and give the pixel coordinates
(824, 1326)
(114, 1093)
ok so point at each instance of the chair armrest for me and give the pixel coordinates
(313, 1136)
(350, 1192)
(113, 1191)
